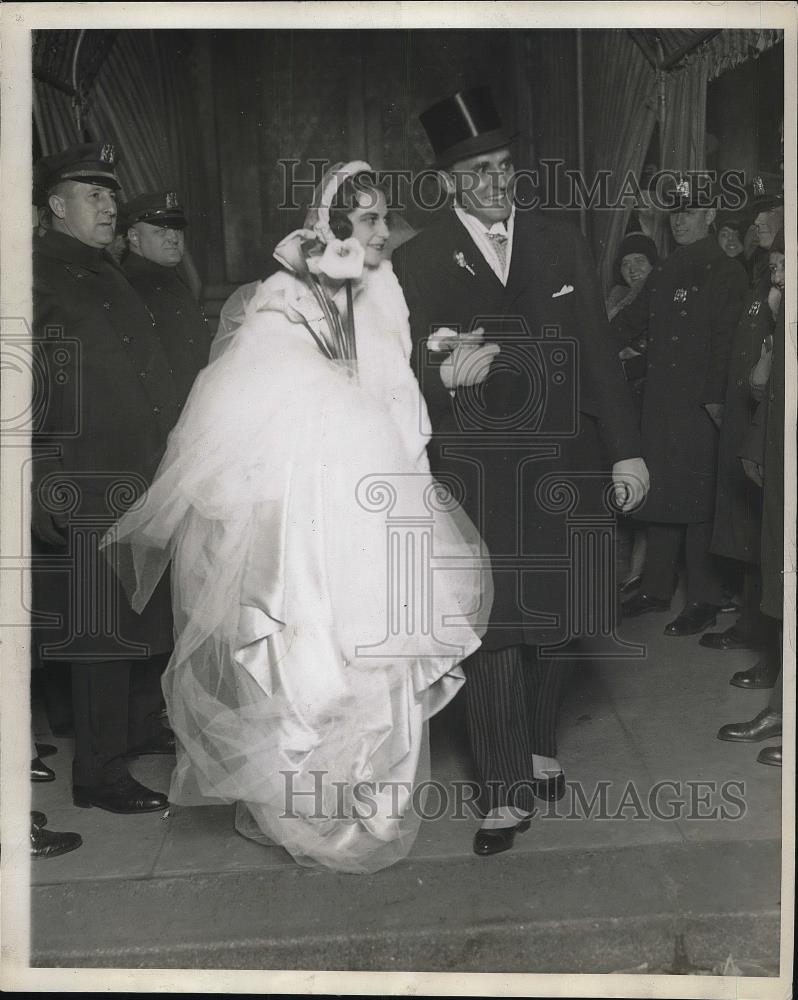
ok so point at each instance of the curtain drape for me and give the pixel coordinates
(627, 97)
(141, 104)
(621, 107)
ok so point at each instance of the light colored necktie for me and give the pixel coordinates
(499, 241)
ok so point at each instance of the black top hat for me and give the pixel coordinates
(157, 208)
(87, 163)
(463, 125)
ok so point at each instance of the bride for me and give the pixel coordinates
(325, 589)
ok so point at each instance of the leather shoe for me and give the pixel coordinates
(126, 796)
(38, 818)
(39, 771)
(549, 789)
(770, 755)
(731, 638)
(45, 750)
(162, 745)
(764, 726)
(49, 843)
(488, 842)
(641, 603)
(760, 677)
(630, 586)
(694, 617)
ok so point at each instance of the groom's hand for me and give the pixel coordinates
(469, 362)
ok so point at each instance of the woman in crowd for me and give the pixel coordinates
(636, 258)
(306, 664)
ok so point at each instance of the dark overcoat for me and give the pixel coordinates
(106, 407)
(773, 465)
(696, 297)
(179, 319)
(737, 526)
(553, 397)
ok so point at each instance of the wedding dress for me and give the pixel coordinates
(325, 589)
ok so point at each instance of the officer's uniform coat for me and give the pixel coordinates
(110, 404)
(501, 438)
(738, 501)
(773, 465)
(696, 297)
(179, 321)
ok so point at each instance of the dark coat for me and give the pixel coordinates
(556, 385)
(738, 501)
(696, 297)
(108, 408)
(773, 465)
(179, 319)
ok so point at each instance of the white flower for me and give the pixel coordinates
(296, 308)
(341, 259)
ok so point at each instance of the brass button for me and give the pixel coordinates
(191, 340)
(106, 305)
(126, 339)
(142, 374)
(156, 410)
(682, 312)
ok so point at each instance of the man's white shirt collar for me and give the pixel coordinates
(479, 231)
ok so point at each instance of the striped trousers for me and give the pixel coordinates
(512, 701)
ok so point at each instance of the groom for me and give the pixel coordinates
(535, 391)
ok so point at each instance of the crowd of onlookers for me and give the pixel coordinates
(700, 333)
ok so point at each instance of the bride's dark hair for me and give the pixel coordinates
(351, 190)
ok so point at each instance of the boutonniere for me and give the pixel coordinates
(460, 260)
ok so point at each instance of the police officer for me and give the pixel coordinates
(738, 514)
(695, 300)
(156, 222)
(108, 409)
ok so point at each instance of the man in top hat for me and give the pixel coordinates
(524, 285)
(155, 230)
(109, 405)
(694, 303)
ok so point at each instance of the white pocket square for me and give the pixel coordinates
(565, 290)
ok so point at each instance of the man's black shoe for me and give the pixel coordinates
(549, 789)
(760, 677)
(39, 771)
(770, 755)
(641, 603)
(126, 796)
(764, 726)
(488, 842)
(45, 750)
(49, 843)
(693, 618)
(731, 638)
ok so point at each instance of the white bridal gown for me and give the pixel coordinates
(312, 646)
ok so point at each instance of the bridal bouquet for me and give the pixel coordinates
(311, 254)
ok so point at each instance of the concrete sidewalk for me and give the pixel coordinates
(605, 887)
